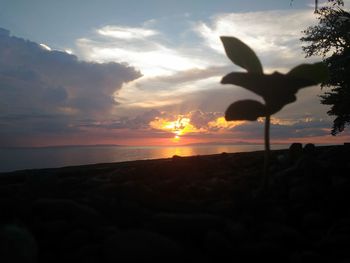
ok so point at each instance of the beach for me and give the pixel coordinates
(205, 208)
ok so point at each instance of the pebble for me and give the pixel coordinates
(295, 152)
(17, 244)
(141, 246)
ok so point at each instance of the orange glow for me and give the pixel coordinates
(221, 123)
(181, 126)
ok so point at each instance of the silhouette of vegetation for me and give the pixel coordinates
(276, 89)
(331, 37)
(316, 4)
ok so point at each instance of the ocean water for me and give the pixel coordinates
(12, 159)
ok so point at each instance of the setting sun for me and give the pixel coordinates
(179, 127)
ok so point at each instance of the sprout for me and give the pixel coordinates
(276, 89)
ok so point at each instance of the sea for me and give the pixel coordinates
(12, 159)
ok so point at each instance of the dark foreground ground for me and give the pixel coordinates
(183, 209)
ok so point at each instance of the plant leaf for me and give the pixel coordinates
(248, 110)
(277, 89)
(241, 55)
(251, 81)
(316, 72)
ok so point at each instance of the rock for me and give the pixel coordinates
(300, 194)
(17, 244)
(176, 158)
(128, 214)
(224, 155)
(187, 225)
(87, 254)
(56, 228)
(135, 191)
(312, 168)
(340, 226)
(42, 184)
(315, 225)
(276, 213)
(9, 208)
(309, 149)
(332, 155)
(282, 159)
(314, 220)
(295, 152)
(337, 180)
(339, 196)
(237, 232)
(218, 246)
(105, 232)
(141, 246)
(75, 239)
(281, 234)
(261, 252)
(336, 246)
(278, 189)
(284, 179)
(65, 210)
(221, 207)
(10, 190)
(306, 257)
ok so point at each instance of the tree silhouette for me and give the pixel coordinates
(331, 38)
(316, 4)
(276, 89)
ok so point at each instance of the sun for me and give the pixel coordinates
(176, 139)
(179, 127)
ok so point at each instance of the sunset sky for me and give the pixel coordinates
(146, 72)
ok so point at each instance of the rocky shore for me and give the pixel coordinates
(182, 209)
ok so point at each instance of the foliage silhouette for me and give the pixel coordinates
(331, 38)
(276, 89)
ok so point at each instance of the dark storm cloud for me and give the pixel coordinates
(35, 81)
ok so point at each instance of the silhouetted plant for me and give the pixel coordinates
(276, 89)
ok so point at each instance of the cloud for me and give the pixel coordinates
(44, 90)
(179, 76)
(169, 71)
(281, 130)
(119, 32)
(274, 35)
(139, 122)
(141, 47)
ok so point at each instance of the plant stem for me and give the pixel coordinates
(267, 154)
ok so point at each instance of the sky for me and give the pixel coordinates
(147, 72)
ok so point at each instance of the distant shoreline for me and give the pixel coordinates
(131, 162)
(147, 146)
